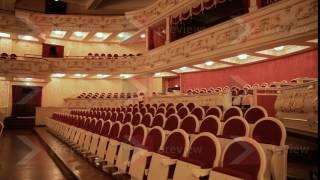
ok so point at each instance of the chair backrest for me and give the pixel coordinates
(235, 126)
(161, 110)
(106, 128)
(136, 120)
(158, 120)
(143, 111)
(183, 112)
(98, 126)
(170, 105)
(108, 115)
(269, 130)
(215, 110)
(126, 132)
(128, 117)
(152, 110)
(177, 144)
(115, 130)
(211, 124)
(190, 106)
(173, 122)
(179, 105)
(198, 112)
(120, 116)
(155, 139)
(139, 135)
(113, 118)
(190, 124)
(205, 150)
(231, 111)
(170, 111)
(253, 114)
(245, 155)
(147, 119)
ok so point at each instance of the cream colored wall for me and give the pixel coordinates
(71, 48)
(4, 94)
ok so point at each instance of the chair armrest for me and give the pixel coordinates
(168, 162)
(198, 173)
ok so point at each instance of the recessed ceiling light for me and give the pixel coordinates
(78, 34)
(2, 78)
(28, 79)
(99, 35)
(58, 34)
(183, 68)
(279, 48)
(125, 76)
(121, 35)
(56, 0)
(102, 75)
(58, 75)
(79, 75)
(243, 56)
(163, 74)
(313, 41)
(283, 50)
(6, 35)
(27, 38)
(142, 35)
(209, 63)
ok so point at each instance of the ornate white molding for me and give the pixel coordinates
(47, 22)
(286, 21)
(9, 23)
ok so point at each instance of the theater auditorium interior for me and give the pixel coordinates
(158, 89)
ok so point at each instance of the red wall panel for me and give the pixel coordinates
(301, 65)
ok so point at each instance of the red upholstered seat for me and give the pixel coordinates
(173, 122)
(147, 120)
(198, 112)
(191, 106)
(143, 111)
(152, 110)
(269, 130)
(170, 111)
(235, 127)
(128, 117)
(183, 112)
(190, 124)
(113, 118)
(215, 111)
(161, 110)
(154, 140)
(120, 116)
(125, 133)
(204, 151)
(158, 120)
(108, 116)
(115, 130)
(169, 105)
(253, 114)
(176, 144)
(211, 124)
(136, 120)
(179, 105)
(232, 111)
(243, 158)
(98, 127)
(138, 136)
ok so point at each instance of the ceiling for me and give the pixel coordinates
(105, 7)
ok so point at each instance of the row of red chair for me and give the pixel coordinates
(104, 95)
(260, 132)
(7, 56)
(248, 89)
(109, 56)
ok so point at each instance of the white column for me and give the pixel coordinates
(147, 38)
(253, 5)
(168, 30)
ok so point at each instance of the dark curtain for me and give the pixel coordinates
(156, 37)
(25, 99)
(49, 50)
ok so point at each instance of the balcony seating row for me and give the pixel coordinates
(109, 56)
(120, 137)
(248, 89)
(7, 56)
(104, 95)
